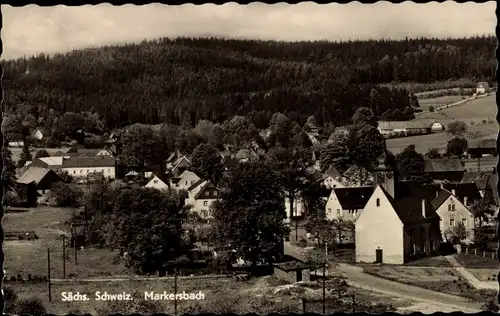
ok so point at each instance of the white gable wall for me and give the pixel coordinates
(452, 211)
(157, 184)
(379, 227)
(331, 183)
(334, 210)
(188, 178)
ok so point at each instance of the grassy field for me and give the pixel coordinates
(439, 140)
(30, 257)
(480, 108)
(439, 101)
(261, 295)
(477, 262)
(439, 261)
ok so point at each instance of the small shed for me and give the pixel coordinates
(27, 194)
(292, 271)
(42, 177)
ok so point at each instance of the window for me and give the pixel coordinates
(464, 221)
(449, 207)
(192, 181)
(452, 222)
(81, 171)
(378, 202)
(334, 186)
(205, 203)
(109, 170)
(155, 181)
(74, 171)
(453, 207)
(338, 212)
(186, 183)
(329, 211)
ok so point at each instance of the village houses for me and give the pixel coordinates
(185, 180)
(201, 195)
(156, 183)
(79, 167)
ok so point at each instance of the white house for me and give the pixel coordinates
(201, 196)
(37, 134)
(452, 211)
(332, 178)
(184, 180)
(79, 167)
(156, 183)
(347, 203)
(482, 88)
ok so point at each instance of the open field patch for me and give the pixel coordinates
(484, 274)
(439, 140)
(483, 107)
(476, 262)
(439, 101)
(439, 261)
(30, 256)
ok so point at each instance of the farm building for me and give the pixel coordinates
(292, 271)
(478, 148)
(450, 169)
(391, 129)
(486, 184)
(42, 177)
(482, 87)
(79, 167)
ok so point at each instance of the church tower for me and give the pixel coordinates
(384, 173)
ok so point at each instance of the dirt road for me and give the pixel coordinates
(434, 301)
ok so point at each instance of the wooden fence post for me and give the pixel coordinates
(475, 252)
(484, 254)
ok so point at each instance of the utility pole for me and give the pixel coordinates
(48, 273)
(64, 255)
(479, 164)
(175, 292)
(324, 278)
(74, 243)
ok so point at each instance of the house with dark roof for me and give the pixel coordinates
(347, 203)
(452, 211)
(478, 148)
(450, 169)
(43, 178)
(486, 184)
(177, 164)
(201, 196)
(398, 222)
(332, 178)
(80, 167)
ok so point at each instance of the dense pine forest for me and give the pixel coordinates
(185, 79)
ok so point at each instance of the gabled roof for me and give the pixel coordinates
(353, 198)
(196, 184)
(390, 125)
(132, 173)
(157, 179)
(34, 174)
(439, 200)
(408, 203)
(52, 161)
(489, 143)
(444, 165)
(462, 190)
(89, 162)
(205, 187)
(332, 172)
(481, 179)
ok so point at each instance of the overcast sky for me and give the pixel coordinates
(32, 29)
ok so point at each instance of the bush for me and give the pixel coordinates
(431, 108)
(32, 306)
(9, 298)
(11, 198)
(65, 194)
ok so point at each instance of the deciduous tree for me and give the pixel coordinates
(411, 165)
(207, 163)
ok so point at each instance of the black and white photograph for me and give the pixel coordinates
(259, 158)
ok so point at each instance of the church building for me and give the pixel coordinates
(398, 222)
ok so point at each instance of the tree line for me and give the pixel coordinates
(187, 80)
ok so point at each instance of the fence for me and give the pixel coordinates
(480, 253)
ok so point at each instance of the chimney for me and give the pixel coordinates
(453, 191)
(465, 200)
(423, 208)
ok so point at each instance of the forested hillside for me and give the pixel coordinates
(174, 80)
